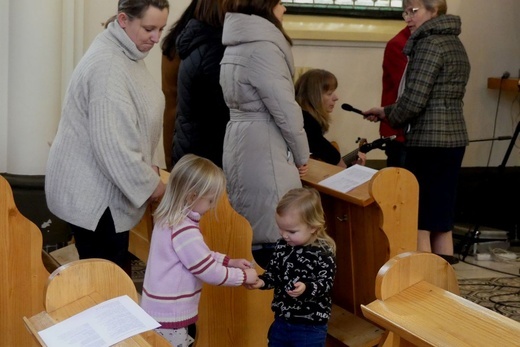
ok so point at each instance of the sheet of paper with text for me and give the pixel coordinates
(348, 179)
(102, 325)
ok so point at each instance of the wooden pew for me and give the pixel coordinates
(21, 269)
(228, 316)
(370, 224)
(81, 284)
(418, 303)
(231, 316)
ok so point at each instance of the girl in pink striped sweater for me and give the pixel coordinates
(179, 260)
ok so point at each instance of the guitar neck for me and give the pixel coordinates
(351, 157)
(364, 147)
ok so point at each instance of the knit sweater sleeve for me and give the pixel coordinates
(116, 144)
(204, 264)
(124, 115)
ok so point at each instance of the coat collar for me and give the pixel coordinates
(241, 28)
(442, 25)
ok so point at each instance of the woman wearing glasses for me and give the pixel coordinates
(430, 108)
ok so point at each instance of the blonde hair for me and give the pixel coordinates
(307, 202)
(191, 178)
(309, 89)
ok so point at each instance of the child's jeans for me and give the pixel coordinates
(284, 334)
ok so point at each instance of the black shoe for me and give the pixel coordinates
(449, 258)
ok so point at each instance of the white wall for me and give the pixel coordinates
(30, 83)
(45, 39)
(4, 59)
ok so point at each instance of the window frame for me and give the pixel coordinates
(376, 12)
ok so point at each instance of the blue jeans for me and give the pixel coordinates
(284, 334)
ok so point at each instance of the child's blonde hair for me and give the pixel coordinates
(192, 177)
(307, 202)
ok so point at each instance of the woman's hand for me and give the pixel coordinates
(375, 114)
(158, 192)
(362, 158)
(303, 170)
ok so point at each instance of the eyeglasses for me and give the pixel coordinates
(410, 13)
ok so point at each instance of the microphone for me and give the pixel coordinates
(505, 75)
(348, 107)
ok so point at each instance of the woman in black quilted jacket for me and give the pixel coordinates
(202, 114)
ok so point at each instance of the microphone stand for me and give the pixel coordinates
(472, 236)
(510, 148)
(499, 138)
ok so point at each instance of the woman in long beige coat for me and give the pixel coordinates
(265, 147)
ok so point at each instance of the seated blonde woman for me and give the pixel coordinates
(316, 95)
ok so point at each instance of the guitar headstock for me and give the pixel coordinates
(379, 143)
(361, 141)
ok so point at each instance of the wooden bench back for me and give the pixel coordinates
(418, 305)
(405, 270)
(21, 269)
(80, 278)
(231, 316)
(396, 192)
(409, 268)
(81, 284)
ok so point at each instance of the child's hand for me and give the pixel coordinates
(252, 276)
(257, 285)
(241, 263)
(299, 288)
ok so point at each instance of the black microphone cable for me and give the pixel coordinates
(505, 75)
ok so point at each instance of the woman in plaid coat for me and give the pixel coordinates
(430, 109)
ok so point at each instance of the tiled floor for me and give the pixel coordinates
(472, 268)
(66, 254)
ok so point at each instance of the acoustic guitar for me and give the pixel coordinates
(364, 147)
